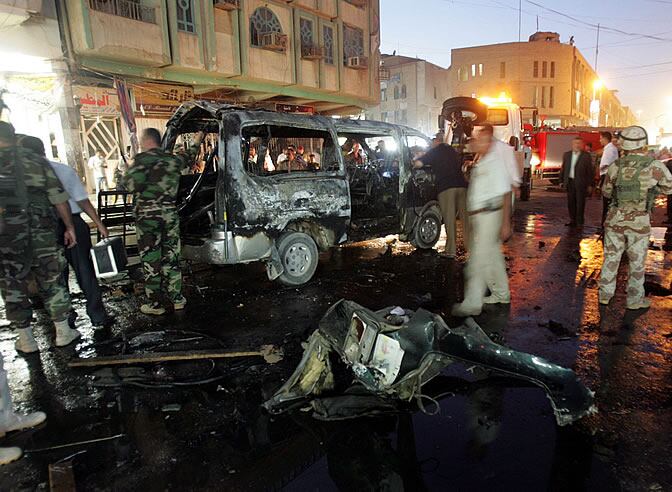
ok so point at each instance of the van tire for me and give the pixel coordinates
(427, 230)
(299, 257)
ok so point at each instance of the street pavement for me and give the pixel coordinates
(487, 434)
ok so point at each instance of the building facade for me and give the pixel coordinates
(542, 73)
(412, 92)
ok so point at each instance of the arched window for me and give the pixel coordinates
(263, 21)
(396, 92)
(403, 91)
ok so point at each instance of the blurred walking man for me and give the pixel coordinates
(632, 183)
(29, 191)
(493, 179)
(154, 179)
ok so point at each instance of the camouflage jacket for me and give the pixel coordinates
(626, 213)
(154, 178)
(33, 187)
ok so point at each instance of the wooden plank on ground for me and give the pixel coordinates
(268, 352)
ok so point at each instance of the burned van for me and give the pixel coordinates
(280, 188)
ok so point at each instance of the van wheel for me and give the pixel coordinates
(299, 257)
(428, 230)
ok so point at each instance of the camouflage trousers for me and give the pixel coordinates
(625, 232)
(46, 262)
(159, 245)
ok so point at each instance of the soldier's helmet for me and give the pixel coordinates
(633, 138)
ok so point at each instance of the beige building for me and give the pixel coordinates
(318, 53)
(412, 92)
(541, 73)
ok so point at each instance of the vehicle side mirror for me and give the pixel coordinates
(514, 142)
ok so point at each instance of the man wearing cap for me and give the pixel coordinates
(29, 193)
(631, 183)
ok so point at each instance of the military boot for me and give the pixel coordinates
(26, 343)
(643, 304)
(64, 334)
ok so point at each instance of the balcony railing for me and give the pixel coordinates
(125, 8)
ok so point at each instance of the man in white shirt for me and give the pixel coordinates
(609, 156)
(97, 165)
(79, 256)
(489, 197)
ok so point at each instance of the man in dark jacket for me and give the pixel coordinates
(576, 177)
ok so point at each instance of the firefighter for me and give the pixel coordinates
(632, 183)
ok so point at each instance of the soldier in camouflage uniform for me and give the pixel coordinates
(29, 191)
(153, 179)
(632, 183)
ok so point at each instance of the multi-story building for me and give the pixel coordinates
(542, 73)
(301, 55)
(412, 92)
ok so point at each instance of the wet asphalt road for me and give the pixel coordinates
(488, 434)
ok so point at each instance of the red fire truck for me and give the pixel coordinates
(548, 147)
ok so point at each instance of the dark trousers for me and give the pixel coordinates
(576, 202)
(79, 258)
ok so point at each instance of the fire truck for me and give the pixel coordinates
(548, 147)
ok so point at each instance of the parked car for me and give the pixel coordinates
(282, 187)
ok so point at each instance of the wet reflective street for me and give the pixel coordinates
(198, 425)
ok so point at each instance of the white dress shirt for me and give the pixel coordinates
(575, 159)
(609, 156)
(71, 184)
(493, 176)
(96, 164)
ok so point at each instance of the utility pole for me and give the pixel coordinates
(520, 13)
(597, 46)
(537, 23)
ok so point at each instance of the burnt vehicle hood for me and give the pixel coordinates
(390, 356)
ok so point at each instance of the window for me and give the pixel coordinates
(383, 116)
(552, 70)
(473, 70)
(403, 91)
(396, 92)
(498, 116)
(462, 74)
(353, 43)
(543, 97)
(551, 96)
(185, 16)
(306, 33)
(131, 9)
(328, 35)
(535, 96)
(480, 70)
(435, 96)
(383, 95)
(404, 116)
(502, 70)
(263, 21)
(544, 69)
(535, 72)
(269, 150)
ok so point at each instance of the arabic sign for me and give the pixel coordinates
(97, 100)
(160, 98)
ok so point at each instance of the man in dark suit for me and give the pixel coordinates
(576, 177)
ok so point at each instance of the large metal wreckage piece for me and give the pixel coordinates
(392, 353)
